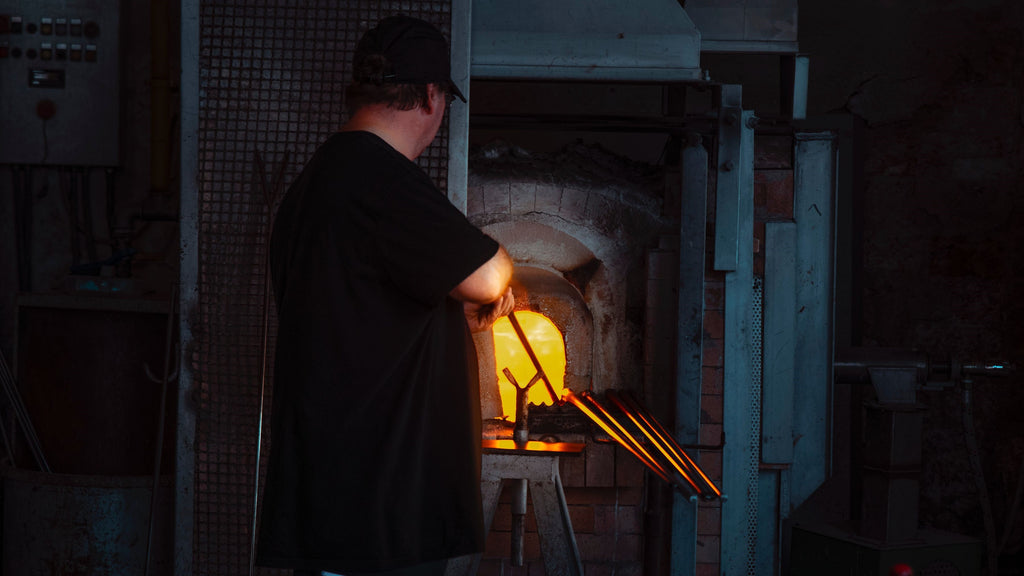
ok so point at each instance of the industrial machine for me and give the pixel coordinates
(883, 534)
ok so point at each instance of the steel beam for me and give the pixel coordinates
(793, 72)
(768, 533)
(728, 190)
(601, 40)
(740, 454)
(779, 341)
(690, 339)
(188, 298)
(813, 205)
(458, 112)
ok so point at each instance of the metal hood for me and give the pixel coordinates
(641, 40)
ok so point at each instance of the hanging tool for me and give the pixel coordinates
(271, 195)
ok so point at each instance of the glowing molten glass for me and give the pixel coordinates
(547, 343)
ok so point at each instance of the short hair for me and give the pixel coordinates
(369, 86)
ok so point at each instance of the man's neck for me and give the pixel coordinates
(399, 128)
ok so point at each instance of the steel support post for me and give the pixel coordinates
(728, 245)
(813, 206)
(690, 339)
(188, 297)
(735, 227)
(779, 351)
(793, 71)
(458, 111)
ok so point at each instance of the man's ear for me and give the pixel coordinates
(433, 93)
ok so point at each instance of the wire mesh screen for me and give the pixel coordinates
(272, 78)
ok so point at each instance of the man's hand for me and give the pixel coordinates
(481, 316)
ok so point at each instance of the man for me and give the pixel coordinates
(378, 279)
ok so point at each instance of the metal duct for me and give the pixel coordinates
(643, 40)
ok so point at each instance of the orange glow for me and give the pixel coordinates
(658, 441)
(680, 455)
(547, 343)
(617, 431)
(666, 438)
(611, 430)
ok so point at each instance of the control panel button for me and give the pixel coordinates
(76, 26)
(76, 53)
(5, 49)
(61, 52)
(90, 52)
(46, 51)
(16, 24)
(46, 26)
(5, 24)
(60, 26)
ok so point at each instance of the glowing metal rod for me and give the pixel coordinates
(664, 435)
(533, 357)
(578, 402)
(655, 439)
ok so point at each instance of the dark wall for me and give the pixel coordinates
(939, 87)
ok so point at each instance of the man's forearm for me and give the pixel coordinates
(488, 282)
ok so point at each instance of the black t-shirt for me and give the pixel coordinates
(375, 456)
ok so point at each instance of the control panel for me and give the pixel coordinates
(59, 82)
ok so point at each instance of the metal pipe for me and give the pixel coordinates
(521, 432)
(73, 218)
(586, 403)
(270, 194)
(658, 442)
(164, 379)
(518, 487)
(159, 125)
(90, 236)
(21, 414)
(991, 539)
(533, 357)
(851, 364)
(670, 441)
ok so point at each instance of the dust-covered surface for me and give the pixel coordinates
(579, 165)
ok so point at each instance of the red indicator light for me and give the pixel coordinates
(46, 109)
(901, 570)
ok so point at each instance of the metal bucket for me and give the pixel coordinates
(84, 525)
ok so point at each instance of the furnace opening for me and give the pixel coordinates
(546, 340)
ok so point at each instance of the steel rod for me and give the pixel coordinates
(651, 434)
(612, 431)
(533, 357)
(670, 474)
(671, 441)
(21, 415)
(269, 198)
(164, 379)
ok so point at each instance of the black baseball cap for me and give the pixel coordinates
(417, 51)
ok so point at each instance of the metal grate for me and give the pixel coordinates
(272, 76)
(757, 350)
